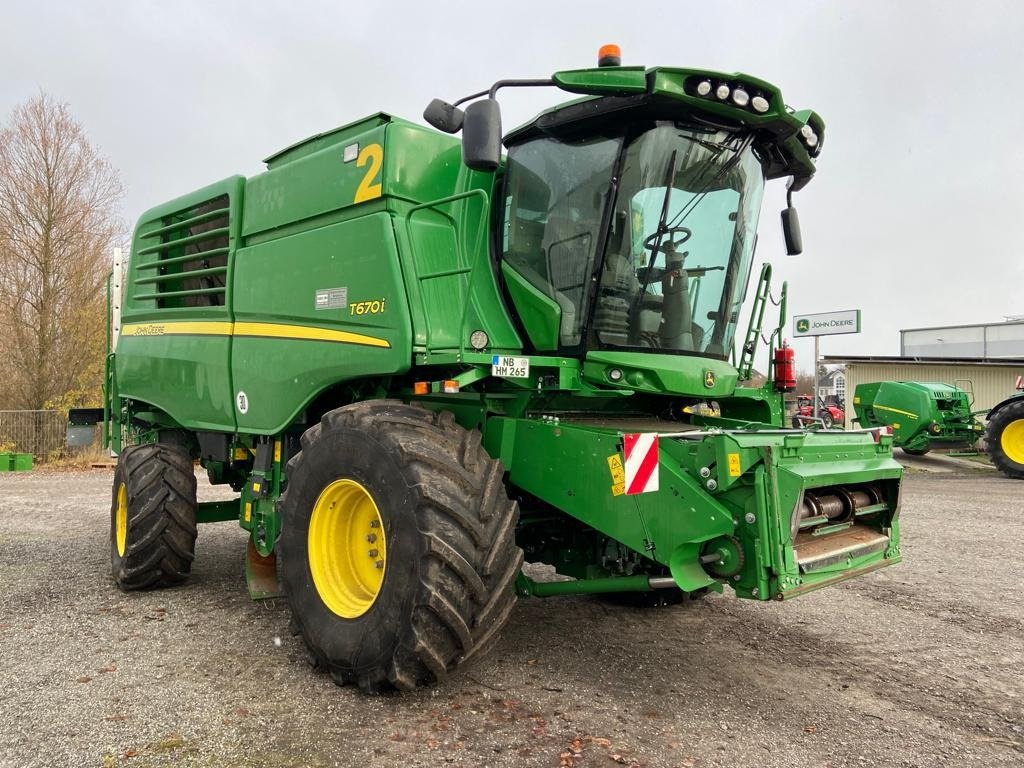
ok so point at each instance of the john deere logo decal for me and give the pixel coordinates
(803, 326)
(709, 379)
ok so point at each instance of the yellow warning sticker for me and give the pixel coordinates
(618, 489)
(241, 454)
(615, 467)
(248, 511)
(277, 451)
(734, 465)
(256, 487)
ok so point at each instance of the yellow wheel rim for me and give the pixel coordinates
(346, 548)
(121, 520)
(1012, 441)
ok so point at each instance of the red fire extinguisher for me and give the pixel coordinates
(785, 369)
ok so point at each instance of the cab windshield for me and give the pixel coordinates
(680, 234)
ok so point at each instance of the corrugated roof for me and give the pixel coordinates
(993, 324)
(1001, 361)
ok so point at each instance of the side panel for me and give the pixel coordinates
(175, 337)
(185, 375)
(312, 309)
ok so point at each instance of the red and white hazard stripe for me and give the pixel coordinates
(641, 462)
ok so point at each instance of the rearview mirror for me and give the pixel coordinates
(444, 116)
(481, 135)
(791, 231)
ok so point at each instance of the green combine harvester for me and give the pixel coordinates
(417, 360)
(922, 414)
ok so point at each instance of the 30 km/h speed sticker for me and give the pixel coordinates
(510, 367)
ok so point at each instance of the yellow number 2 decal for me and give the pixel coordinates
(370, 186)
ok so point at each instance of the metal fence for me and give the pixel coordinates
(40, 433)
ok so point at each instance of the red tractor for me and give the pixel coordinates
(829, 413)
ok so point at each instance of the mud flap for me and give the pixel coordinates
(261, 574)
(686, 568)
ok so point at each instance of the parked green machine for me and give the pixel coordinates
(416, 359)
(922, 414)
(1004, 434)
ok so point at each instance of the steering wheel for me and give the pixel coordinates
(668, 243)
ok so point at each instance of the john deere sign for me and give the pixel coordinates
(827, 323)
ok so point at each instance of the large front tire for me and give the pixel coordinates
(397, 552)
(916, 451)
(1005, 439)
(152, 517)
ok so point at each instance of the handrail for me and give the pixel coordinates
(745, 368)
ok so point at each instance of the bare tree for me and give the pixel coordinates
(805, 382)
(58, 222)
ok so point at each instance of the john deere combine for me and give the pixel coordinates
(416, 360)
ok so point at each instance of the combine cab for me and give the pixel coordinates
(417, 360)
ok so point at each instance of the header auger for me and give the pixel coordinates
(419, 360)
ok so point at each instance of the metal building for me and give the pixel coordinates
(984, 340)
(990, 380)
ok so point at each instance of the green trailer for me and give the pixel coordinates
(921, 414)
(15, 462)
(419, 361)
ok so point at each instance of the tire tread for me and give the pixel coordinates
(161, 489)
(469, 558)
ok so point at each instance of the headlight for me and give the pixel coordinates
(703, 87)
(760, 104)
(809, 136)
(722, 92)
(479, 340)
(740, 97)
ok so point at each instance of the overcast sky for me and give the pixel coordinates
(914, 216)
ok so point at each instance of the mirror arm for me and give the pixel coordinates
(518, 84)
(471, 96)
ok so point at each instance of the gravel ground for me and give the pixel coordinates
(916, 665)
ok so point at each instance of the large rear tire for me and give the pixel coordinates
(1004, 436)
(397, 552)
(152, 517)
